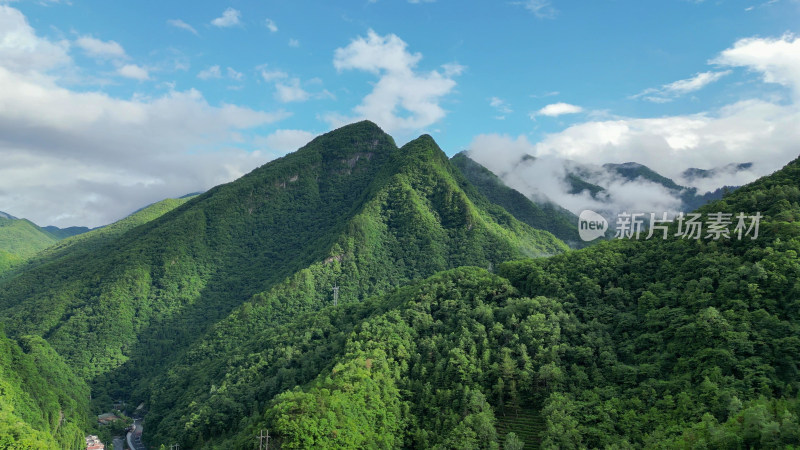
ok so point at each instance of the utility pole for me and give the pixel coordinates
(335, 295)
(263, 440)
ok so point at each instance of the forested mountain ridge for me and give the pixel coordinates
(652, 344)
(348, 209)
(20, 239)
(544, 216)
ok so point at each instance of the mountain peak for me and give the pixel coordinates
(424, 148)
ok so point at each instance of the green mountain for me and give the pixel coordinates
(19, 240)
(195, 291)
(222, 318)
(544, 216)
(638, 344)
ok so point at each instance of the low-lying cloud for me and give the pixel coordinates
(761, 131)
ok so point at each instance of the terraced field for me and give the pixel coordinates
(527, 424)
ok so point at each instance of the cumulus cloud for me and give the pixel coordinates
(230, 17)
(760, 131)
(402, 99)
(22, 50)
(100, 49)
(88, 158)
(270, 24)
(668, 92)
(747, 131)
(178, 23)
(294, 43)
(133, 71)
(777, 60)
(558, 109)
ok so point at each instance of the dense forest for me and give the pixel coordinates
(454, 322)
(349, 209)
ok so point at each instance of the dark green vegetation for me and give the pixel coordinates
(175, 311)
(544, 216)
(656, 344)
(219, 315)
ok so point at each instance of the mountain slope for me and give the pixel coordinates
(418, 221)
(42, 405)
(643, 344)
(19, 240)
(549, 217)
(170, 296)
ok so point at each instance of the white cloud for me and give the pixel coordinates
(558, 109)
(60, 147)
(672, 90)
(134, 71)
(402, 99)
(748, 131)
(270, 24)
(290, 91)
(294, 43)
(376, 54)
(210, 72)
(178, 23)
(20, 48)
(777, 60)
(284, 141)
(763, 132)
(230, 17)
(87, 158)
(542, 9)
(100, 49)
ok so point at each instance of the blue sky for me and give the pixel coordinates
(112, 105)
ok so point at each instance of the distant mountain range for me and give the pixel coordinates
(609, 189)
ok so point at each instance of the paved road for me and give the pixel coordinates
(135, 436)
(119, 443)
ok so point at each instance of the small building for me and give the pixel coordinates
(93, 443)
(107, 418)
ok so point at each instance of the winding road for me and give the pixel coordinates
(135, 436)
